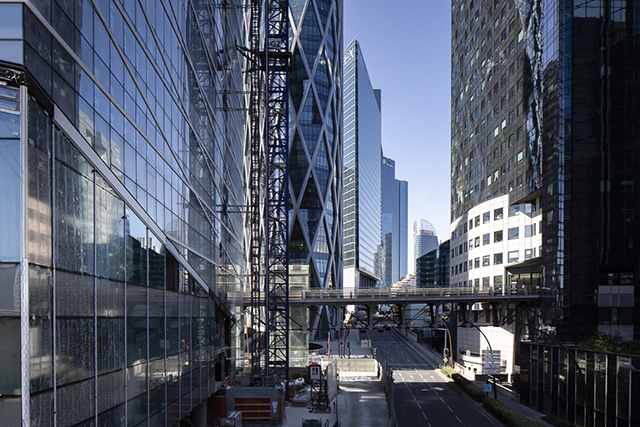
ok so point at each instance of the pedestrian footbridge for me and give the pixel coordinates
(432, 296)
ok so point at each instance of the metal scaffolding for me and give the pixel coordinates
(268, 223)
(276, 72)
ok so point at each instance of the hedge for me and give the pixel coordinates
(504, 413)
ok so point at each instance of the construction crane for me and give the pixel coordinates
(268, 205)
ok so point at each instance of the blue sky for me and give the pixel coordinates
(407, 49)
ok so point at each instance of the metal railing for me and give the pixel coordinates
(390, 294)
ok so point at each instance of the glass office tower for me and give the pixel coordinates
(362, 174)
(432, 268)
(543, 112)
(395, 217)
(425, 238)
(121, 145)
(315, 153)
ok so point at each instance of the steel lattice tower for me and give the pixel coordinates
(276, 69)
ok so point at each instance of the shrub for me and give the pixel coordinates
(468, 387)
(557, 422)
(507, 415)
(510, 417)
(448, 371)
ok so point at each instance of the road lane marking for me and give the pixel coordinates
(442, 400)
(425, 417)
(458, 419)
(449, 408)
(419, 406)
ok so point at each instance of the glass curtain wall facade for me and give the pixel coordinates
(425, 238)
(315, 151)
(432, 269)
(590, 225)
(362, 173)
(395, 215)
(556, 380)
(121, 139)
(556, 77)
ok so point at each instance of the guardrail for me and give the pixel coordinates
(383, 295)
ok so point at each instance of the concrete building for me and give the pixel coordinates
(362, 160)
(395, 216)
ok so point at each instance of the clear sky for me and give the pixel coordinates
(407, 48)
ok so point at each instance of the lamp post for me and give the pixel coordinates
(495, 391)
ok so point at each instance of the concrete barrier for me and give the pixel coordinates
(357, 365)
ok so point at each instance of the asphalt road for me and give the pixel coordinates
(422, 395)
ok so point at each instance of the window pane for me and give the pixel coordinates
(9, 192)
(10, 355)
(514, 233)
(136, 255)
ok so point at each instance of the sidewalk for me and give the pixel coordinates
(505, 396)
(360, 400)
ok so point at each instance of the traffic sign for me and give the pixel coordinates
(491, 362)
(487, 388)
(490, 366)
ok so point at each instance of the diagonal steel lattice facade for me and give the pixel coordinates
(315, 149)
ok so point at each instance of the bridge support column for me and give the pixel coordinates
(432, 309)
(403, 324)
(338, 318)
(469, 311)
(369, 316)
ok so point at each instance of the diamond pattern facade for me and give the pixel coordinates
(315, 162)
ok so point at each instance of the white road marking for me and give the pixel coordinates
(450, 408)
(442, 400)
(458, 419)
(419, 406)
(425, 417)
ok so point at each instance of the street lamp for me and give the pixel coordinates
(495, 391)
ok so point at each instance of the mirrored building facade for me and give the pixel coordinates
(543, 113)
(362, 173)
(121, 145)
(395, 206)
(315, 151)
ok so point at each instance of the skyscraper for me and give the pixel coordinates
(362, 162)
(432, 268)
(425, 238)
(121, 145)
(394, 224)
(315, 153)
(543, 157)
